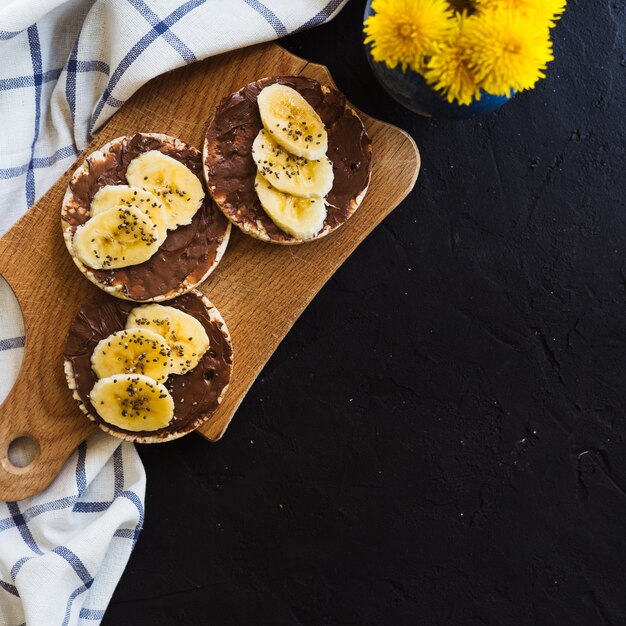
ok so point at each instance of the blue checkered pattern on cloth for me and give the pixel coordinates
(63, 551)
(67, 67)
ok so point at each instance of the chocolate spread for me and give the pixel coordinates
(231, 170)
(195, 393)
(187, 253)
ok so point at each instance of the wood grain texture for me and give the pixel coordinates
(260, 289)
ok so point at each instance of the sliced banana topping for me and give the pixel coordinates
(301, 217)
(288, 173)
(292, 121)
(293, 172)
(133, 402)
(184, 334)
(175, 185)
(125, 195)
(137, 351)
(117, 237)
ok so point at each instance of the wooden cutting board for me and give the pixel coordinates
(260, 289)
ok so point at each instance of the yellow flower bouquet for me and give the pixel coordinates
(472, 55)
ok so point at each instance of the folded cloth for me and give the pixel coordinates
(67, 67)
(63, 551)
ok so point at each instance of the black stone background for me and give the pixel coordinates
(440, 438)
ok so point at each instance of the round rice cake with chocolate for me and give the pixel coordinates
(196, 394)
(187, 255)
(230, 169)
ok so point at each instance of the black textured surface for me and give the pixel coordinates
(440, 439)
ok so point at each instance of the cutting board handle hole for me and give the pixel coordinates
(21, 454)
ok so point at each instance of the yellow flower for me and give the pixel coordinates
(447, 70)
(504, 50)
(547, 11)
(404, 31)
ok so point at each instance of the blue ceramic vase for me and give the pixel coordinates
(411, 91)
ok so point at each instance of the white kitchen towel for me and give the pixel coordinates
(67, 67)
(63, 551)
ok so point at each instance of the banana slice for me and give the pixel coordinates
(291, 174)
(292, 121)
(132, 402)
(184, 334)
(124, 195)
(138, 351)
(300, 217)
(178, 188)
(118, 237)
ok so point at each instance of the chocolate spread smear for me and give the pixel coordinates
(187, 253)
(231, 170)
(195, 393)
